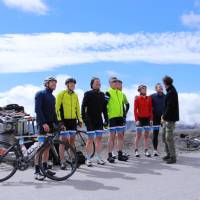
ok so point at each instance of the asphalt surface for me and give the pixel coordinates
(140, 179)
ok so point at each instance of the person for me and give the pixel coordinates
(93, 107)
(115, 108)
(68, 114)
(126, 106)
(46, 120)
(158, 101)
(169, 118)
(143, 119)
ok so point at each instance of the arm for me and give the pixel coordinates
(58, 105)
(105, 112)
(150, 108)
(38, 108)
(127, 105)
(84, 107)
(169, 105)
(136, 109)
(78, 112)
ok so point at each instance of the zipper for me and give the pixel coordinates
(71, 106)
(119, 102)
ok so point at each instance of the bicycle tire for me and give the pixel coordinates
(80, 144)
(71, 163)
(13, 159)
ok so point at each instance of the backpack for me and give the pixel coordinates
(81, 158)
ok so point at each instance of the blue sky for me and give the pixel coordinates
(127, 16)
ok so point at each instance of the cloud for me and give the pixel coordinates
(189, 102)
(33, 6)
(42, 52)
(191, 19)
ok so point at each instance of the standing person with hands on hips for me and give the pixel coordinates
(68, 114)
(143, 118)
(94, 113)
(115, 108)
(169, 119)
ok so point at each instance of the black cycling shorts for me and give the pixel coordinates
(144, 122)
(70, 124)
(116, 122)
(94, 126)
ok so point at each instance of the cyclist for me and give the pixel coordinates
(143, 118)
(126, 105)
(93, 106)
(68, 114)
(46, 119)
(158, 102)
(115, 108)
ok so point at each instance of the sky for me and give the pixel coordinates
(138, 41)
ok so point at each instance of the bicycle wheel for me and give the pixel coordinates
(70, 161)
(188, 145)
(80, 143)
(8, 161)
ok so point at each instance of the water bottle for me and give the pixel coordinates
(23, 148)
(32, 148)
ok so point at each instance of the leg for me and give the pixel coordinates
(111, 142)
(120, 141)
(98, 144)
(89, 144)
(155, 139)
(146, 139)
(164, 139)
(170, 138)
(137, 139)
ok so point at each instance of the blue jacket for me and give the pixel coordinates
(45, 107)
(158, 104)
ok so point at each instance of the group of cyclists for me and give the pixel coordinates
(101, 110)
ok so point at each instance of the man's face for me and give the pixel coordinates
(119, 86)
(96, 84)
(159, 88)
(52, 85)
(114, 84)
(143, 91)
(71, 86)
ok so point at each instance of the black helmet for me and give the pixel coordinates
(92, 81)
(48, 79)
(70, 80)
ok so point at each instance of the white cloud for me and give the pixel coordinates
(189, 102)
(40, 52)
(191, 19)
(34, 6)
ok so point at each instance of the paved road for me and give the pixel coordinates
(138, 179)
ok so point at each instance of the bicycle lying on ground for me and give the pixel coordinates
(186, 143)
(12, 158)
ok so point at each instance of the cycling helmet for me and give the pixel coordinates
(70, 80)
(48, 79)
(141, 86)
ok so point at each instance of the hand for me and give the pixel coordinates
(151, 123)
(105, 124)
(46, 127)
(80, 123)
(137, 123)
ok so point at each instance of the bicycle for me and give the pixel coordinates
(12, 158)
(80, 143)
(186, 143)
